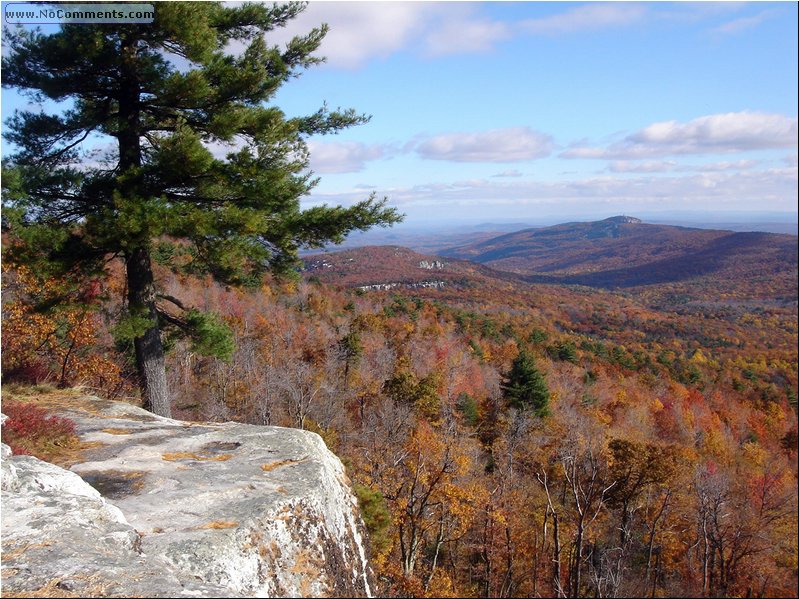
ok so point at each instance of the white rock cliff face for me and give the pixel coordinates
(183, 509)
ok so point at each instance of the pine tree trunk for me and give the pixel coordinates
(149, 348)
(141, 288)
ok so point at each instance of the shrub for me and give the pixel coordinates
(376, 517)
(29, 430)
(467, 406)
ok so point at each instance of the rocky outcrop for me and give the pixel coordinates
(158, 507)
(416, 285)
(432, 264)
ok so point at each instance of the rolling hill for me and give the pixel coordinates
(623, 252)
(393, 267)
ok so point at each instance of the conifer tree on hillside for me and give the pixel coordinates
(527, 387)
(201, 75)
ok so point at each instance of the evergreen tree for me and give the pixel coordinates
(350, 349)
(567, 352)
(527, 388)
(163, 93)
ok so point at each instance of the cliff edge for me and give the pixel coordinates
(158, 507)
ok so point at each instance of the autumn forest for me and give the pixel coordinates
(591, 409)
(504, 438)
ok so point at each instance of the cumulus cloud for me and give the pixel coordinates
(325, 157)
(718, 133)
(497, 145)
(772, 189)
(360, 31)
(344, 157)
(739, 130)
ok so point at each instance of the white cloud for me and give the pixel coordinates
(498, 145)
(650, 166)
(718, 133)
(510, 173)
(466, 34)
(220, 149)
(741, 24)
(770, 189)
(587, 17)
(360, 31)
(325, 157)
(682, 13)
(735, 165)
(740, 130)
(791, 160)
(343, 157)
(662, 166)
(459, 29)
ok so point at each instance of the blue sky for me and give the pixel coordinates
(541, 111)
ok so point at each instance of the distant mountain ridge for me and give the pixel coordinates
(622, 251)
(665, 265)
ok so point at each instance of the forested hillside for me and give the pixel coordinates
(602, 409)
(505, 439)
(622, 252)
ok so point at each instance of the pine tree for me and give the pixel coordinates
(164, 94)
(527, 388)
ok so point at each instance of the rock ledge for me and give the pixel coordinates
(163, 508)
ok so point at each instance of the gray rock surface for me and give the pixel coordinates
(158, 507)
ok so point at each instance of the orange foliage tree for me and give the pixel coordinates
(52, 332)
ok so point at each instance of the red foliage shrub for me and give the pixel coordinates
(30, 431)
(30, 372)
